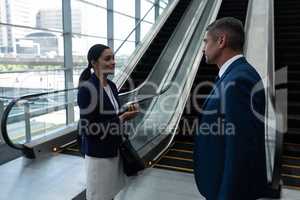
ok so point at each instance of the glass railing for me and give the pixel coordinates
(160, 117)
(32, 117)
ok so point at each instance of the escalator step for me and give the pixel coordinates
(290, 169)
(290, 160)
(179, 169)
(180, 154)
(291, 181)
(183, 146)
(291, 149)
(176, 164)
(293, 108)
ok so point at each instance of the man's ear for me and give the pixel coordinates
(223, 40)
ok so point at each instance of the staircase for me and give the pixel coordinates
(287, 48)
(179, 156)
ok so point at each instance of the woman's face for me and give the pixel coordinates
(105, 63)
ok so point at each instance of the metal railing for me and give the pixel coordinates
(26, 115)
(276, 176)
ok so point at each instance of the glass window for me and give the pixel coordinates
(123, 25)
(98, 2)
(150, 16)
(33, 13)
(145, 6)
(80, 46)
(163, 3)
(28, 49)
(125, 6)
(145, 27)
(162, 6)
(88, 19)
(77, 72)
(125, 51)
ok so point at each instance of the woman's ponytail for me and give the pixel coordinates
(85, 75)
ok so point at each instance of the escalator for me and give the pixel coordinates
(287, 48)
(179, 156)
(64, 139)
(147, 61)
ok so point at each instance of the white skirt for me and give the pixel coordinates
(105, 177)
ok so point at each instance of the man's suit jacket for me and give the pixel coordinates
(229, 152)
(99, 127)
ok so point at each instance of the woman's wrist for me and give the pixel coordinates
(121, 118)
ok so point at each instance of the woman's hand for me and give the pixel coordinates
(132, 112)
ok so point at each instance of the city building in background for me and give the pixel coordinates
(52, 19)
(32, 38)
(13, 12)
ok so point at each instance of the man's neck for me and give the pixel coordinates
(226, 56)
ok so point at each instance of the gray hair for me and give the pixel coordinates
(234, 29)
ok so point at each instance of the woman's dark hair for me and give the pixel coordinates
(94, 53)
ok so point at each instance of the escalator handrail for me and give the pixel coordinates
(276, 176)
(196, 62)
(273, 164)
(4, 117)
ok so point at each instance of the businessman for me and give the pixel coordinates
(229, 152)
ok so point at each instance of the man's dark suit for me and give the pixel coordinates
(227, 166)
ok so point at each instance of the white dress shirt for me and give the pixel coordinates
(225, 66)
(111, 98)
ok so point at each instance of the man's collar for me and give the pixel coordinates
(225, 66)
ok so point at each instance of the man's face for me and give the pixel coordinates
(211, 49)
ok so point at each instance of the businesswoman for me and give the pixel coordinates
(100, 125)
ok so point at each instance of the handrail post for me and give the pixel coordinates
(1, 107)
(27, 122)
(1, 111)
(156, 9)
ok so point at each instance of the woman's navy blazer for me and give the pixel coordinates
(99, 125)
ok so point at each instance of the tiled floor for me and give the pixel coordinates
(161, 184)
(62, 177)
(169, 185)
(58, 176)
